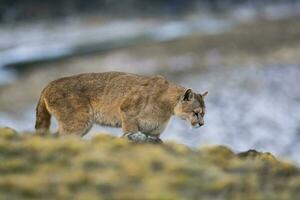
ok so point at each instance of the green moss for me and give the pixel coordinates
(106, 167)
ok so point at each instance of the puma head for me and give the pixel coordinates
(191, 107)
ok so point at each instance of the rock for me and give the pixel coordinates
(142, 138)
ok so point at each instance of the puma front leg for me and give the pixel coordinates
(131, 132)
(129, 125)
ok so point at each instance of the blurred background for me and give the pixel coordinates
(245, 53)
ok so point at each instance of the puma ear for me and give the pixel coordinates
(188, 95)
(204, 94)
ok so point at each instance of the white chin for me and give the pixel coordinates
(197, 126)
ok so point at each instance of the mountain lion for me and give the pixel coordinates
(133, 102)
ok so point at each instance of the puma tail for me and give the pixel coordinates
(43, 116)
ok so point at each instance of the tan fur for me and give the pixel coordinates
(132, 102)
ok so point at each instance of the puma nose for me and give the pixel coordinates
(201, 124)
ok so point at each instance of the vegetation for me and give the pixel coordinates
(34, 167)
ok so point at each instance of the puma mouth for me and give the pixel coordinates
(198, 125)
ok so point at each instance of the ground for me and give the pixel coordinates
(105, 167)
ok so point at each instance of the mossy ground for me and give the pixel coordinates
(105, 167)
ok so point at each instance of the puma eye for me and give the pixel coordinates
(196, 114)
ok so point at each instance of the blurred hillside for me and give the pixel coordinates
(104, 167)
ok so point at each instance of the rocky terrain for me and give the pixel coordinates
(106, 167)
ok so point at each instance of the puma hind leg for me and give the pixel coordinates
(75, 116)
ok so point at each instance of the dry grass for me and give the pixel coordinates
(35, 167)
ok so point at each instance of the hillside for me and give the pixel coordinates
(32, 167)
